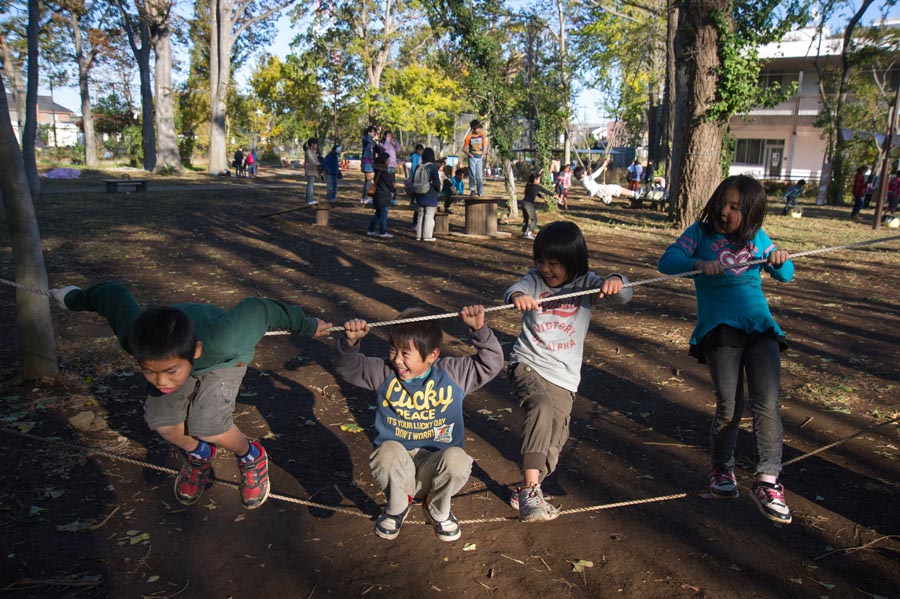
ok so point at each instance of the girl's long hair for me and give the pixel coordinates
(753, 207)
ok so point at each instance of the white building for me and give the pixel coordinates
(67, 132)
(783, 142)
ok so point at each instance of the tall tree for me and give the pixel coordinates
(37, 345)
(84, 25)
(29, 132)
(137, 29)
(13, 54)
(229, 20)
(836, 183)
(717, 76)
(160, 17)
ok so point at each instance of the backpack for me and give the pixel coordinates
(421, 181)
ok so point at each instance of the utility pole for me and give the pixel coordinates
(886, 160)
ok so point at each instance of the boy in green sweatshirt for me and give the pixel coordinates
(194, 357)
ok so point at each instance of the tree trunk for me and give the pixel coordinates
(29, 132)
(836, 184)
(167, 154)
(13, 68)
(697, 141)
(87, 117)
(669, 89)
(219, 75)
(37, 345)
(511, 188)
(137, 25)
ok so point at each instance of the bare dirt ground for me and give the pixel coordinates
(73, 524)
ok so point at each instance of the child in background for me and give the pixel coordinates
(367, 161)
(194, 357)
(545, 363)
(529, 213)
(790, 196)
(331, 165)
(736, 334)
(419, 413)
(311, 168)
(453, 186)
(563, 183)
(385, 180)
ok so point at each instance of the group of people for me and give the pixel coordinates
(244, 165)
(194, 357)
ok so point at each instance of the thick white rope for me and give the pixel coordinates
(553, 298)
(594, 290)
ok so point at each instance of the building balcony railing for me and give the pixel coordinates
(799, 110)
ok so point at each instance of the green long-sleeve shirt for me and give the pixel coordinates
(229, 336)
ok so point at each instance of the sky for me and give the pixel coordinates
(587, 103)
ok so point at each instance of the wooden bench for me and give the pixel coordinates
(113, 185)
(657, 199)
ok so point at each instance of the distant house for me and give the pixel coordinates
(783, 142)
(67, 131)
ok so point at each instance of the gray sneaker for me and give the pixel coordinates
(533, 507)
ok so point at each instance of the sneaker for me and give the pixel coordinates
(528, 235)
(313, 203)
(193, 477)
(514, 498)
(446, 530)
(429, 239)
(387, 526)
(255, 479)
(386, 236)
(533, 507)
(769, 499)
(371, 233)
(722, 484)
(367, 201)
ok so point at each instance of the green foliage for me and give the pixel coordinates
(420, 99)
(112, 114)
(133, 145)
(741, 33)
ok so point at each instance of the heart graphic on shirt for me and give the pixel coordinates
(728, 259)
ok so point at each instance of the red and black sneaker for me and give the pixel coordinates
(193, 477)
(255, 479)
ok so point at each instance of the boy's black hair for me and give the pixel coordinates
(533, 177)
(753, 207)
(419, 147)
(578, 172)
(475, 124)
(563, 241)
(426, 335)
(312, 140)
(161, 334)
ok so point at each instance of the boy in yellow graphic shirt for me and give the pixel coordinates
(419, 416)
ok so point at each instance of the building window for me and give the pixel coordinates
(748, 151)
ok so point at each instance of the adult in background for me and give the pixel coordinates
(426, 203)
(367, 161)
(475, 147)
(390, 147)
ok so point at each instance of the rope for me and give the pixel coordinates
(341, 510)
(591, 291)
(555, 297)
